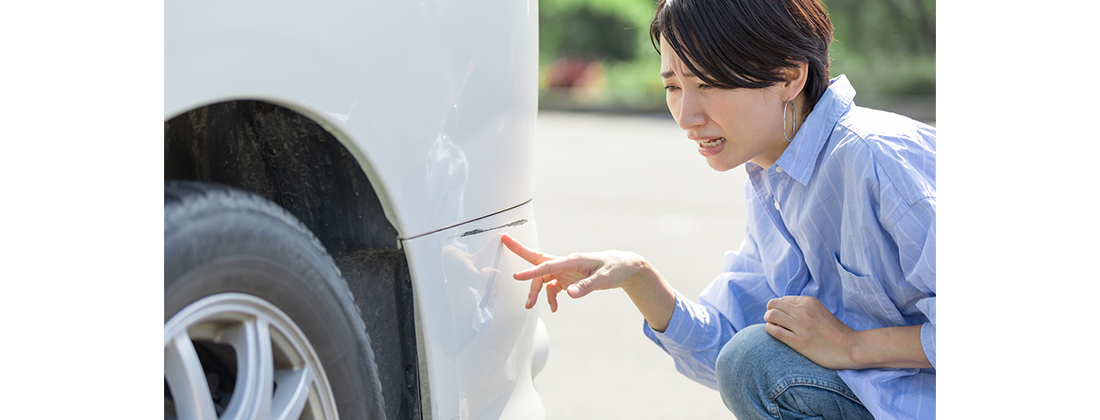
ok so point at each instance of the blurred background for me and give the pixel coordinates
(614, 171)
(596, 55)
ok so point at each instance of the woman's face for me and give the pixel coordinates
(729, 126)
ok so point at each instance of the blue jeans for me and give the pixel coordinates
(759, 377)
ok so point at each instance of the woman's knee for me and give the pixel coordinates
(747, 349)
(736, 349)
(742, 368)
(754, 367)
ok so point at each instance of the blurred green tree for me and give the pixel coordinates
(886, 47)
(587, 33)
(611, 28)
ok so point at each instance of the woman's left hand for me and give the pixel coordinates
(803, 323)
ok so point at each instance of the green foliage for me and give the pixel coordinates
(885, 47)
(636, 84)
(585, 32)
(638, 12)
(617, 35)
(593, 28)
(892, 27)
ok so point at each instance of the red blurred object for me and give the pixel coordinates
(569, 72)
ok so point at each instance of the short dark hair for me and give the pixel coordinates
(746, 43)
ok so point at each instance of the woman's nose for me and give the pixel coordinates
(691, 113)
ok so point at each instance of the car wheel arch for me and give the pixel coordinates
(305, 165)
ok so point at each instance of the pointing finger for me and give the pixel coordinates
(528, 254)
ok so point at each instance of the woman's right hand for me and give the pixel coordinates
(578, 273)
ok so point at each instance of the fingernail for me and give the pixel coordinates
(574, 291)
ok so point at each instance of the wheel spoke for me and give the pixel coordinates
(190, 391)
(255, 371)
(271, 354)
(292, 392)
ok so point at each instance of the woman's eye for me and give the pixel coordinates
(704, 86)
(670, 88)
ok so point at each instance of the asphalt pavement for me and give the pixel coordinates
(633, 183)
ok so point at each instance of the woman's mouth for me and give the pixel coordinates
(711, 147)
(712, 143)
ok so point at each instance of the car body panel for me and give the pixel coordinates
(470, 307)
(430, 94)
(437, 102)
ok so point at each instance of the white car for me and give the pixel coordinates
(337, 178)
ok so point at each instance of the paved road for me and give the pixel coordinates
(630, 183)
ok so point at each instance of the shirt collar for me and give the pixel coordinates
(800, 158)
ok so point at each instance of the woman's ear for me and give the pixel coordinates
(795, 80)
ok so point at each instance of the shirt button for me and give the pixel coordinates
(778, 169)
(777, 205)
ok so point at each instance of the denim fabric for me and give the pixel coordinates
(759, 377)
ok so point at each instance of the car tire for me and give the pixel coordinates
(258, 320)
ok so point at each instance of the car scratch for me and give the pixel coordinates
(480, 231)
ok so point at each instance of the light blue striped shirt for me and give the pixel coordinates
(847, 215)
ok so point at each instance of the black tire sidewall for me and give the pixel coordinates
(248, 246)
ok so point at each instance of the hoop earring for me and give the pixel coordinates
(794, 118)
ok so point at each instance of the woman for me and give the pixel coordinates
(828, 310)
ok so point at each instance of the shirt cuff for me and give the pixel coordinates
(685, 329)
(928, 341)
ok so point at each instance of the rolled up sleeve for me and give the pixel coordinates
(697, 331)
(916, 239)
(693, 339)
